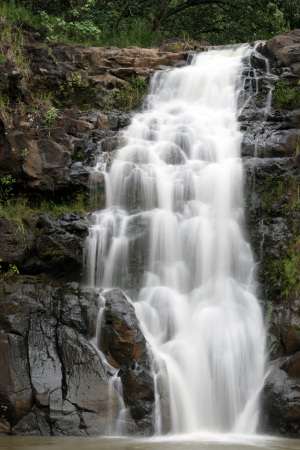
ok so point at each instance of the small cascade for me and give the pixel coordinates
(172, 238)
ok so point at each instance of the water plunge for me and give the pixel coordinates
(172, 238)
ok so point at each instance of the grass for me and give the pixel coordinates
(17, 208)
(11, 42)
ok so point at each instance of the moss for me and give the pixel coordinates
(54, 253)
(281, 276)
(280, 195)
(286, 95)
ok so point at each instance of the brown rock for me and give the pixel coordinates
(15, 387)
(286, 48)
(121, 339)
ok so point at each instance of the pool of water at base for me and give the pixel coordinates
(175, 443)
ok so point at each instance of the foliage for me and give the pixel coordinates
(50, 116)
(58, 28)
(14, 269)
(80, 154)
(283, 274)
(286, 95)
(129, 97)
(6, 188)
(145, 22)
(292, 269)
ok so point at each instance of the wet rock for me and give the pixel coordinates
(138, 391)
(86, 383)
(45, 366)
(125, 347)
(272, 182)
(16, 397)
(281, 399)
(58, 246)
(79, 308)
(50, 373)
(121, 338)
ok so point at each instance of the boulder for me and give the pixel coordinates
(122, 341)
(285, 48)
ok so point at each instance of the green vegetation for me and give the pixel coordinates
(146, 22)
(282, 275)
(286, 95)
(13, 38)
(79, 154)
(129, 97)
(50, 116)
(17, 207)
(6, 188)
(281, 194)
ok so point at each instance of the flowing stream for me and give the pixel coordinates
(172, 238)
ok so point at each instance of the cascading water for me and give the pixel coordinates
(176, 188)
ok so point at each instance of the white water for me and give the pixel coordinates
(180, 178)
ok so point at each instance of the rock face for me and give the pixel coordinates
(272, 175)
(50, 373)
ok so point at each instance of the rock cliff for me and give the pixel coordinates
(272, 177)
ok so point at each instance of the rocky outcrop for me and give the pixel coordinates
(58, 159)
(52, 379)
(44, 244)
(47, 144)
(272, 174)
(284, 50)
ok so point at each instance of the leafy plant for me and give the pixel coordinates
(74, 80)
(51, 116)
(14, 269)
(129, 97)
(80, 154)
(6, 188)
(2, 58)
(24, 153)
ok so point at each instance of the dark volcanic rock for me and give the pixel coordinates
(282, 398)
(45, 243)
(272, 175)
(121, 339)
(125, 347)
(52, 380)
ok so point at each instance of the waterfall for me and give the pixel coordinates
(172, 238)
